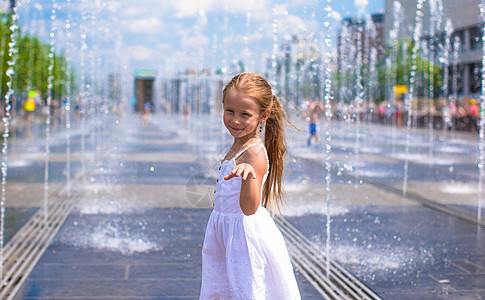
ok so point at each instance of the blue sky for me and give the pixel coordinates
(170, 36)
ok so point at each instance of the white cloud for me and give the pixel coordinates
(195, 41)
(336, 16)
(292, 25)
(141, 53)
(254, 37)
(260, 9)
(287, 25)
(190, 8)
(361, 5)
(135, 11)
(195, 44)
(144, 25)
(280, 9)
(164, 47)
(114, 6)
(37, 6)
(298, 3)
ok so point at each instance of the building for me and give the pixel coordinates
(453, 26)
(144, 89)
(200, 93)
(364, 35)
(361, 51)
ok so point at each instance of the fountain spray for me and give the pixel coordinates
(274, 52)
(412, 88)
(67, 107)
(50, 80)
(12, 51)
(481, 156)
(328, 113)
(393, 36)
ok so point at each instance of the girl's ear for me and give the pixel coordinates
(265, 115)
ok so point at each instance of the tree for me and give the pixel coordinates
(401, 64)
(32, 64)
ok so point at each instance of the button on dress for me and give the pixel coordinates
(243, 257)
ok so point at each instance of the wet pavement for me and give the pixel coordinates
(160, 259)
(138, 232)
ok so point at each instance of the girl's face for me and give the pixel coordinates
(242, 114)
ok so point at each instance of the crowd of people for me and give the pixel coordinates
(31, 111)
(459, 114)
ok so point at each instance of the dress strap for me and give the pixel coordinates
(255, 144)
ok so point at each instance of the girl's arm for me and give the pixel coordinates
(252, 167)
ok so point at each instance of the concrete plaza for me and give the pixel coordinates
(137, 231)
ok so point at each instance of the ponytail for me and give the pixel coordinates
(275, 144)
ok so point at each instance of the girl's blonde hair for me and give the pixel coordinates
(256, 87)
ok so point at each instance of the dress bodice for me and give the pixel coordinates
(226, 197)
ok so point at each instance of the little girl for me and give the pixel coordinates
(244, 255)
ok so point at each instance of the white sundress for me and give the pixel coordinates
(243, 257)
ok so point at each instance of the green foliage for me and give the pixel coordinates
(378, 86)
(426, 72)
(32, 64)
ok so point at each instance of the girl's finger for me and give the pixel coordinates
(246, 174)
(229, 176)
(234, 171)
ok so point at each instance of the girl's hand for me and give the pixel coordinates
(243, 170)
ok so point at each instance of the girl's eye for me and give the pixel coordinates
(246, 115)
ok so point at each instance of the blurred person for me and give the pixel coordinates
(186, 113)
(29, 108)
(315, 111)
(473, 112)
(398, 112)
(147, 110)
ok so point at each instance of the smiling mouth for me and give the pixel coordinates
(235, 129)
